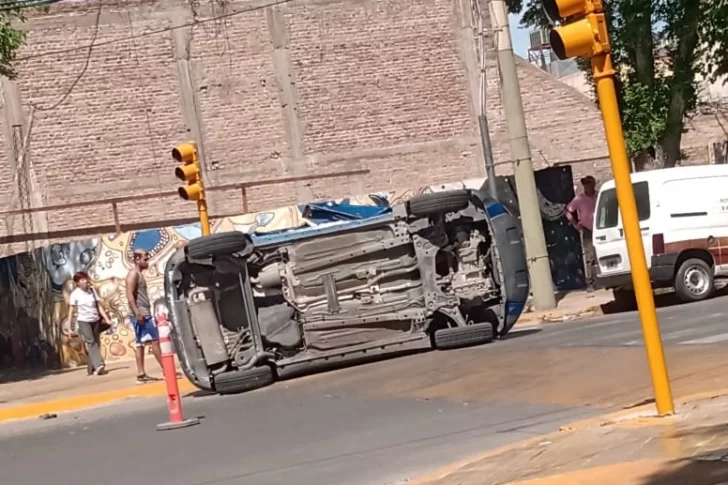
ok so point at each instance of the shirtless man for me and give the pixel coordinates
(140, 315)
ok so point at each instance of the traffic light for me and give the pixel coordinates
(583, 30)
(583, 33)
(189, 171)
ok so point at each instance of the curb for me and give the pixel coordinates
(84, 401)
(637, 412)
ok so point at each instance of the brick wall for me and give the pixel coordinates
(301, 88)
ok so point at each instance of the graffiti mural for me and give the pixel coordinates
(38, 286)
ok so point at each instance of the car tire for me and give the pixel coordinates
(694, 280)
(238, 381)
(218, 244)
(426, 205)
(456, 337)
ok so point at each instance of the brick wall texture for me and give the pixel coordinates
(272, 89)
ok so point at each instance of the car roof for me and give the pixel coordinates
(675, 173)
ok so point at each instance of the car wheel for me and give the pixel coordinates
(217, 244)
(238, 381)
(455, 337)
(426, 205)
(694, 280)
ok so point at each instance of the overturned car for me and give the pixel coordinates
(445, 268)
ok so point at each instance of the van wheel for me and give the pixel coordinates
(694, 280)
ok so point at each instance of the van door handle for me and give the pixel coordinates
(601, 238)
(644, 229)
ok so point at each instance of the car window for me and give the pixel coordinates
(608, 209)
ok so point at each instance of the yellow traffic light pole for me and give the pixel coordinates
(204, 217)
(603, 72)
(191, 173)
(585, 35)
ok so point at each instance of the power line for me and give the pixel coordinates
(154, 32)
(144, 97)
(86, 63)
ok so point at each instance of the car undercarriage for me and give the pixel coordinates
(243, 306)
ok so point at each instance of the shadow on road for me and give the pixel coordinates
(522, 333)
(664, 299)
(710, 470)
(709, 467)
(347, 362)
(304, 370)
(373, 357)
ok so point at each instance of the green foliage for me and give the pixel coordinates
(10, 40)
(13, 12)
(659, 46)
(644, 114)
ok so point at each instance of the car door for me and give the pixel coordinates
(609, 242)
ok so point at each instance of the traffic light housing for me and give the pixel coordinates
(188, 171)
(583, 29)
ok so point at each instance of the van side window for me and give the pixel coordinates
(608, 209)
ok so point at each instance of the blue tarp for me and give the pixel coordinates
(322, 212)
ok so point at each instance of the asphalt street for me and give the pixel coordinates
(377, 423)
(700, 323)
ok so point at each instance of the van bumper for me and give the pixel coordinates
(662, 274)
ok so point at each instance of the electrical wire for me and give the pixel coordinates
(145, 100)
(86, 63)
(235, 13)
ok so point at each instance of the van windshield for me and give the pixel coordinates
(608, 210)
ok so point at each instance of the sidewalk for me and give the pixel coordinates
(569, 306)
(633, 448)
(28, 395)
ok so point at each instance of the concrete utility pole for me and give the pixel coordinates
(483, 117)
(539, 269)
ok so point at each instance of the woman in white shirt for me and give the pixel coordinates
(88, 314)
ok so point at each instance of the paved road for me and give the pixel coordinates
(687, 324)
(377, 423)
(270, 437)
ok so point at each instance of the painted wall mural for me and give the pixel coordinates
(38, 286)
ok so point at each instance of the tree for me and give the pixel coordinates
(13, 12)
(11, 39)
(661, 48)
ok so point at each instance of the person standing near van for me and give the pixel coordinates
(140, 315)
(580, 213)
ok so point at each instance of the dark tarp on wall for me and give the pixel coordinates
(563, 242)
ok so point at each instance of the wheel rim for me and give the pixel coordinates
(696, 280)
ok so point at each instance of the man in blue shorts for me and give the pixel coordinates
(140, 315)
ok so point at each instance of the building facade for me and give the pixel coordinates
(269, 90)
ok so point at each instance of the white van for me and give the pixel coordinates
(683, 214)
